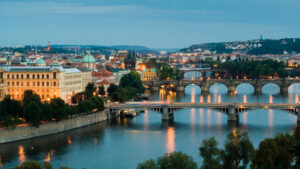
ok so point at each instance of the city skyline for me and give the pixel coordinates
(155, 24)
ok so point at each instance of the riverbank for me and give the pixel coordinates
(21, 133)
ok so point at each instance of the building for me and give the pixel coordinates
(119, 73)
(130, 61)
(48, 82)
(89, 61)
(149, 74)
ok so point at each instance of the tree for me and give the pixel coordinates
(238, 150)
(58, 109)
(111, 89)
(176, 160)
(30, 96)
(211, 154)
(30, 165)
(33, 113)
(132, 79)
(101, 90)
(275, 153)
(98, 103)
(149, 164)
(90, 89)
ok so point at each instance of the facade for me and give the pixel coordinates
(149, 74)
(48, 82)
(119, 73)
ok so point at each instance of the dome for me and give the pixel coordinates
(40, 61)
(88, 59)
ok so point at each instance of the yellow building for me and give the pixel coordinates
(48, 82)
(149, 74)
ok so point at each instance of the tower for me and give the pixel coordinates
(23, 60)
(261, 37)
(49, 47)
(8, 59)
(130, 61)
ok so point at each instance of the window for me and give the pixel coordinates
(42, 83)
(33, 76)
(47, 76)
(7, 83)
(17, 76)
(38, 83)
(1, 75)
(54, 75)
(54, 83)
(33, 83)
(28, 84)
(17, 83)
(21, 76)
(12, 76)
(38, 76)
(43, 76)
(47, 83)
(12, 83)
(43, 97)
(27, 76)
(8, 76)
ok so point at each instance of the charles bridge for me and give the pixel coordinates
(232, 110)
(231, 84)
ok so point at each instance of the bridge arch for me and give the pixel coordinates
(192, 88)
(217, 87)
(294, 88)
(270, 88)
(240, 88)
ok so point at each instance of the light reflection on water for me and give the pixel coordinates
(146, 137)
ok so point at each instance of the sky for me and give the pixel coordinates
(152, 23)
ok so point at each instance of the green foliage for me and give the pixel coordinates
(30, 96)
(132, 79)
(111, 89)
(101, 90)
(36, 165)
(238, 151)
(98, 102)
(90, 89)
(254, 69)
(33, 113)
(176, 160)
(275, 153)
(211, 154)
(124, 94)
(170, 73)
(30, 165)
(58, 109)
(149, 164)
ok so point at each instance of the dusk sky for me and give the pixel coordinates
(152, 23)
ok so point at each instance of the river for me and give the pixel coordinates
(124, 143)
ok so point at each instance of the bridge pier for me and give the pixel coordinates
(298, 115)
(205, 88)
(284, 91)
(257, 90)
(231, 89)
(233, 116)
(166, 116)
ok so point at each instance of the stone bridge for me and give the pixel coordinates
(232, 110)
(231, 84)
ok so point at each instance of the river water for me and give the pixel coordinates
(122, 144)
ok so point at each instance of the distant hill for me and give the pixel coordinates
(256, 47)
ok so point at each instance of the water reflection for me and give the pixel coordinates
(245, 98)
(270, 119)
(47, 158)
(146, 120)
(170, 140)
(193, 119)
(22, 156)
(270, 99)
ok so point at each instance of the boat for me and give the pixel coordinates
(128, 113)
